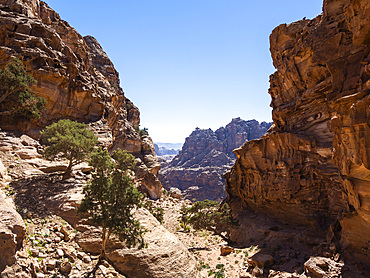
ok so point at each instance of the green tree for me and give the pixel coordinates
(111, 197)
(70, 140)
(14, 92)
(208, 215)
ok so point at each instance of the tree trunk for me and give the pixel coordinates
(105, 237)
(67, 173)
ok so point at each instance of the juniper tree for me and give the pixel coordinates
(15, 95)
(70, 140)
(208, 215)
(111, 197)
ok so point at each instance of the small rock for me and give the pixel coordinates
(34, 252)
(60, 253)
(50, 264)
(261, 260)
(22, 254)
(86, 259)
(66, 267)
(103, 269)
(80, 255)
(40, 275)
(257, 272)
(57, 239)
(66, 234)
(226, 250)
(45, 232)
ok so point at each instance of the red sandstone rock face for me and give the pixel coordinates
(314, 167)
(76, 78)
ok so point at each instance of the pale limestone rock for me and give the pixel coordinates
(171, 257)
(320, 267)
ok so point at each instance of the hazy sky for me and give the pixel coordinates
(188, 63)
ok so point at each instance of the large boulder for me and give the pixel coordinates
(12, 231)
(164, 257)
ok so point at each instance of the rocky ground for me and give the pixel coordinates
(51, 249)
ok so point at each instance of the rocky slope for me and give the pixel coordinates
(313, 168)
(78, 81)
(43, 236)
(206, 155)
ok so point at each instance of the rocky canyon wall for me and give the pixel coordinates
(206, 155)
(313, 168)
(78, 81)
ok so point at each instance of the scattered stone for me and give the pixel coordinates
(261, 260)
(66, 267)
(60, 253)
(86, 259)
(34, 252)
(50, 264)
(257, 272)
(80, 255)
(321, 267)
(226, 250)
(103, 269)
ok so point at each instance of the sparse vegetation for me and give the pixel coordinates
(155, 211)
(208, 215)
(15, 96)
(69, 140)
(111, 196)
(142, 132)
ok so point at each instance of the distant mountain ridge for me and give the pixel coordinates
(205, 156)
(167, 150)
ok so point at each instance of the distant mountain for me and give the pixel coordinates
(206, 155)
(175, 146)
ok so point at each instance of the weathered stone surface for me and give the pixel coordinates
(76, 78)
(206, 155)
(313, 167)
(12, 232)
(165, 256)
(261, 260)
(320, 267)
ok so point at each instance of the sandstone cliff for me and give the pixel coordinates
(78, 81)
(206, 155)
(313, 168)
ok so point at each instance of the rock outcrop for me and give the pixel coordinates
(38, 193)
(12, 232)
(78, 81)
(206, 155)
(171, 257)
(313, 167)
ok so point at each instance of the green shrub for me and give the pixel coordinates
(70, 140)
(111, 196)
(15, 94)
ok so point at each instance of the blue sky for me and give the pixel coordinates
(188, 64)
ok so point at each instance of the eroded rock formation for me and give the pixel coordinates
(77, 79)
(206, 155)
(12, 231)
(313, 168)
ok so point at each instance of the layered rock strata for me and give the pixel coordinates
(313, 168)
(78, 81)
(206, 155)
